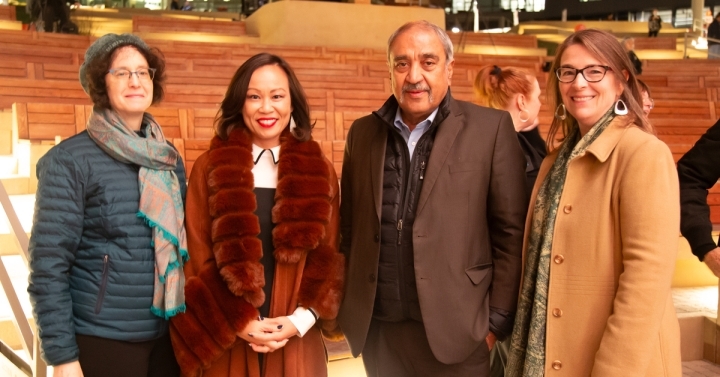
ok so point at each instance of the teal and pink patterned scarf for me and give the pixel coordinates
(161, 203)
(527, 347)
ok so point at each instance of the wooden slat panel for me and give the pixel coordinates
(45, 131)
(36, 118)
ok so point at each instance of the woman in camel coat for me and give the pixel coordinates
(265, 275)
(601, 237)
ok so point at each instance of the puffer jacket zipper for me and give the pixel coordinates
(103, 284)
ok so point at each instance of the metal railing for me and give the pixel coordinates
(687, 44)
(28, 339)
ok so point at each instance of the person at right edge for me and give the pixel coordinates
(601, 238)
(431, 216)
(699, 170)
(713, 35)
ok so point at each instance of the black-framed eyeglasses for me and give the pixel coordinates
(591, 73)
(143, 74)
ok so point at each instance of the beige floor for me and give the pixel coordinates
(700, 368)
(348, 368)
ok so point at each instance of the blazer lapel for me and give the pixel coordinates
(377, 158)
(447, 131)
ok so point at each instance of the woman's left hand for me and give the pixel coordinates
(287, 331)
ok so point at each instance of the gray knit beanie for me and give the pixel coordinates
(105, 45)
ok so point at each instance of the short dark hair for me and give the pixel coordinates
(230, 114)
(97, 69)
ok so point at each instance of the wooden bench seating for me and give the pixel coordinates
(667, 93)
(39, 55)
(683, 109)
(154, 24)
(41, 91)
(494, 39)
(7, 13)
(659, 43)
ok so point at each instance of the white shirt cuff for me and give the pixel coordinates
(303, 320)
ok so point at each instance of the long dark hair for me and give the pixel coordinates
(230, 114)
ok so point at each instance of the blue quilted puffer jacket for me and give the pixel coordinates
(91, 260)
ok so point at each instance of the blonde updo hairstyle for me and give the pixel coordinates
(495, 87)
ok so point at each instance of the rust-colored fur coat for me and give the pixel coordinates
(225, 275)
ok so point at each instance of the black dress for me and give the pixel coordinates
(265, 202)
(533, 146)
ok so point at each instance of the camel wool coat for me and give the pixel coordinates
(224, 274)
(609, 309)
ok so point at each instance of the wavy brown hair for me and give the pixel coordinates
(230, 114)
(97, 70)
(606, 48)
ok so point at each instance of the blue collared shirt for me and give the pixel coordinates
(412, 137)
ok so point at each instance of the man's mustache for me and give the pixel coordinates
(415, 87)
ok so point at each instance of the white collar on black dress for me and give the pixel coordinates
(265, 169)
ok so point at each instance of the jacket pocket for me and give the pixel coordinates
(103, 284)
(478, 272)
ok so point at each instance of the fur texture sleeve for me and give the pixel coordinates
(214, 315)
(322, 283)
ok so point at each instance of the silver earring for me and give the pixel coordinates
(292, 125)
(564, 113)
(620, 108)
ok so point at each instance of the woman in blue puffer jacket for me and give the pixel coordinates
(108, 239)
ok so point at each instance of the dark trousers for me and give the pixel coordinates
(653, 33)
(401, 349)
(101, 357)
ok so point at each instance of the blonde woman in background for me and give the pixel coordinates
(517, 92)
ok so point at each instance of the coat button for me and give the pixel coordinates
(567, 208)
(377, 238)
(557, 312)
(559, 259)
(556, 364)
(371, 278)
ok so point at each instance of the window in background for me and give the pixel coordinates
(526, 5)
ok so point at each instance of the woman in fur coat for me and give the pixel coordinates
(265, 277)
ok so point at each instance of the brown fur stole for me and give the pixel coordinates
(222, 300)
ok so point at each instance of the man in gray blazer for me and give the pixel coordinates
(432, 215)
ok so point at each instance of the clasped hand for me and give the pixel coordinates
(268, 334)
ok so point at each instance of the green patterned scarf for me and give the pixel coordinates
(527, 349)
(160, 204)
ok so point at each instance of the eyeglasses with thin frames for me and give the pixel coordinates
(143, 74)
(649, 102)
(591, 73)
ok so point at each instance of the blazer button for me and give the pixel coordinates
(567, 208)
(371, 278)
(377, 238)
(559, 259)
(557, 312)
(557, 365)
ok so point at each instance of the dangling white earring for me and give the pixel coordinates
(620, 108)
(293, 126)
(564, 113)
(520, 116)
